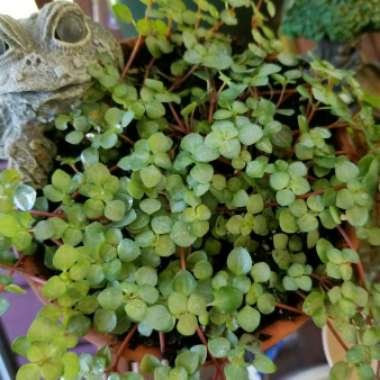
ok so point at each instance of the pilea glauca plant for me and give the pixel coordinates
(205, 192)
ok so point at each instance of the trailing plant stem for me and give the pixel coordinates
(123, 346)
(354, 246)
(178, 120)
(337, 335)
(181, 80)
(182, 258)
(30, 276)
(289, 308)
(139, 42)
(162, 342)
(203, 339)
(46, 214)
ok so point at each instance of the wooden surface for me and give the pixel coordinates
(41, 3)
(86, 5)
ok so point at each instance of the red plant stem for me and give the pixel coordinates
(176, 128)
(123, 346)
(215, 375)
(277, 92)
(46, 214)
(202, 336)
(203, 339)
(179, 81)
(182, 258)
(354, 246)
(337, 125)
(75, 169)
(216, 27)
(136, 48)
(213, 101)
(337, 335)
(314, 109)
(319, 192)
(149, 68)
(300, 294)
(346, 238)
(281, 97)
(289, 308)
(30, 276)
(212, 107)
(307, 195)
(218, 374)
(177, 118)
(127, 139)
(322, 280)
(162, 342)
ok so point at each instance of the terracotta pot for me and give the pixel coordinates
(334, 352)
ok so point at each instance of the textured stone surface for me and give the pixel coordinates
(43, 71)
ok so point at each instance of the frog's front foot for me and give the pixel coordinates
(33, 157)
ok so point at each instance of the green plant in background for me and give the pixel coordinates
(195, 195)
(336, 26)
(333, 20)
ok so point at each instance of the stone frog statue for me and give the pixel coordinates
(44, 71)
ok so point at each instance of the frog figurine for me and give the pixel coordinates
(44, 71)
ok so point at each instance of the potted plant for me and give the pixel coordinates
(337, 27)
(203, 203)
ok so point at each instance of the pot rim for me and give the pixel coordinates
(325, 345)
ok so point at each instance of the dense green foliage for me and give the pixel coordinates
(334, 20)
(193, 200)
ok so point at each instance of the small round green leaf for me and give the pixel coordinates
(248, 318)
(239, 261)
(105, 320)
(219, 347)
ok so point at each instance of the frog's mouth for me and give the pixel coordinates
(67, 91)
(72, 90)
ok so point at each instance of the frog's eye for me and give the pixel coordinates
(4, 47)
(71, 28)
